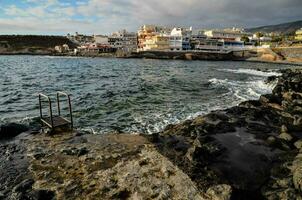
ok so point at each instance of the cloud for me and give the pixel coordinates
(104, 16)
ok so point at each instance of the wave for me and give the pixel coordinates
(248, 90)
(252, 72)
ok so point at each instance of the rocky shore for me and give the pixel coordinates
(250, 151)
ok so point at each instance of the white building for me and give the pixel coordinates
(101, 39)
(180, 39)
(235, 34)
(123, 40)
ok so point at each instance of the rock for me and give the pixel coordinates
(297, 172)
(271, 140)
(24, 185)
(43, 195)
(298, 144)
(12, 130)
(284, 129)
(75, 151)
(288, 193)
(220, 192)
(298, 121)
(285, 136)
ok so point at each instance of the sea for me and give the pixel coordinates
(127, 95)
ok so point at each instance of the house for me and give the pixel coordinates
(208, 44)
(145, 31)
(101, 39)
(148, 31)
(129, 41)
(157, 43)
(234, 34)
(62, 48)
(232, 44)
(196, 38)
(180, 39)
(80, 38)
(94, 48)
(298, 35)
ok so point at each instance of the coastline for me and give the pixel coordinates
(248, 151)
(169, 56)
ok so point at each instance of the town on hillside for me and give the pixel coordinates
(159, 38)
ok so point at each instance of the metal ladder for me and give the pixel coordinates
(54, 121)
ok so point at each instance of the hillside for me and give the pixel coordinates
(285, 28)
(31, 43)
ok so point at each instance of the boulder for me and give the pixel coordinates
(297, 172)
(298, 144)
(285, 136)
(11, 130)
(220, 192)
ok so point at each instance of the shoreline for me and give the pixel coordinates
(257, 60)
(239, 152)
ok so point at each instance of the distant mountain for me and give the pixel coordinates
(286, 28)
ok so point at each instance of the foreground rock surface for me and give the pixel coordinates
(109, 167)
(252, 147)
(251, 151)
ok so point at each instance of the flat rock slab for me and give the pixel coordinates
(106, 167)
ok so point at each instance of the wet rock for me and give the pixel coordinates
(298, 144)
(220, 192)
(43, 195)
(285, 136)
(24, 185)
(297, 172)
(75, 151)
(11, 130)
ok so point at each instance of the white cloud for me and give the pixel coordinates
(104, 16)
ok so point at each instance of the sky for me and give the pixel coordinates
(59, 17)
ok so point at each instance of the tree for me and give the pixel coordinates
(259, 35)
(245, 39)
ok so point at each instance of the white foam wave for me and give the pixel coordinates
(248, 90)
(252, 72)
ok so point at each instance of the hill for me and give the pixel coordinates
(285, 28)
(31, 43)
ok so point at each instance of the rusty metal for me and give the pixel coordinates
(55, 121)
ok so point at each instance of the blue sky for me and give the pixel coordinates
(59, 17)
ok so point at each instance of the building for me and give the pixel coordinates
(145, 31)
(129, 41)
(148, 31)
(196, 38)
(62, 48)
(123, 40)
(101, 39)
(298, 35)
(208, 44)
(115, 41)
(94, 48)
(180, 39)
(80, 39)
(234, 34)
(232, 44)
(157, 43)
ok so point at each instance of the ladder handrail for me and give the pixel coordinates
(69, 105)
(50, 107)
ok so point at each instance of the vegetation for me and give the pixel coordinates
(259, 35)
(245, 39)
(36, 41)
